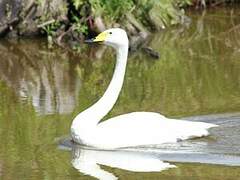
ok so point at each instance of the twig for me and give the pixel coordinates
(59, 39)
(46, 23)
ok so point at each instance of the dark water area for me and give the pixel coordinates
(198, 76)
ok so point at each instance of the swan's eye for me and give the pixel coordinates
(110, 32)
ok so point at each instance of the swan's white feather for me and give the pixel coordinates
(144, 128)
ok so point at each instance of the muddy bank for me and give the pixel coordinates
(25, 17)
(67, 21)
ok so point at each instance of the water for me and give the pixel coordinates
(42, 89)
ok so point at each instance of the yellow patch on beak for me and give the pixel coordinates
(101, 37)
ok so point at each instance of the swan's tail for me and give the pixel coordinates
(207, 125)
(196, 129)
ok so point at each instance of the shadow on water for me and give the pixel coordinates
(41, 90)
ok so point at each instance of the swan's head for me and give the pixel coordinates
(114, 37)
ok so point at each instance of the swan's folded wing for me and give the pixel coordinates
(145, 128)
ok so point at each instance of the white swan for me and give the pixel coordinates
(133, 129)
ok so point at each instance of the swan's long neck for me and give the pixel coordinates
(91, 116)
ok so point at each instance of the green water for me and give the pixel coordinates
(42, 89)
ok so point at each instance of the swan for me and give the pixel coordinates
(132, 129)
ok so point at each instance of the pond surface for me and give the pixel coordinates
(42, 89)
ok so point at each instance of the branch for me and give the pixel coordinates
(46, 23)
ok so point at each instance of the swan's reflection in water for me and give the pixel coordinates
(88, 161)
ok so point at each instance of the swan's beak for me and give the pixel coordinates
(100, 38)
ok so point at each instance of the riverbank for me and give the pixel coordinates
(66, 22)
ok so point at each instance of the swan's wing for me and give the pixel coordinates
(144, 128)
(152, 120)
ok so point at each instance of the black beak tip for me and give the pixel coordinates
(89, 40)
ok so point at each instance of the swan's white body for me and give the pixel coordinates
(133, 129)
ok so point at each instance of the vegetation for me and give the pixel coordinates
(90, 16)
(115, 10)
(87, 17)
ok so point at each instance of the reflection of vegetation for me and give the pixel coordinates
(28, 140)
(29, 151)
(211, 3)
(45, 78)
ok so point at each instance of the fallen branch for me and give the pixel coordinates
(217, 3)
